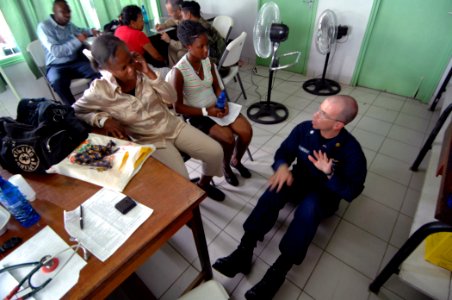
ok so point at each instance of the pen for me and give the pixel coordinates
(81, 217)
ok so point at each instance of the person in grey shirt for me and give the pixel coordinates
(63, 43)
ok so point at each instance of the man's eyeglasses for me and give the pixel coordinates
(324, 115)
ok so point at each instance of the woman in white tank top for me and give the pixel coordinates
(196, 83)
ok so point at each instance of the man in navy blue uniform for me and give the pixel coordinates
(330, 166)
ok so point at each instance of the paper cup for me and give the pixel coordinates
(23, 186)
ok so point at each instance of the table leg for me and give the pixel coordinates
(201, 244)
(408, 247)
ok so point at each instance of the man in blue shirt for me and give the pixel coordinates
(63, 45)
(330, 166)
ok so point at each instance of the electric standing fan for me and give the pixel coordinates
(325, 38)
(268, 33)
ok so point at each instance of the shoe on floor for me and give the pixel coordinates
(238, 261)
(268, 286)
(230, 177)
(213, 192)
(244, 172)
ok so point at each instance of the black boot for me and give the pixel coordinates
(271, 282)
(238, 261)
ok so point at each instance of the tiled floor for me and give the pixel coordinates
(349, 248)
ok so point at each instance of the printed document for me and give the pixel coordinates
(105, 229)
(234, 111)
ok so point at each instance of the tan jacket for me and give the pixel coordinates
(145, 116)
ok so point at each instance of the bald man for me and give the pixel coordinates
(329, 166)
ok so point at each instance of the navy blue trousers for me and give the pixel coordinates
(313, 206)
(60, 77)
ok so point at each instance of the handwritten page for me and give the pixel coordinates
(45, 242)
(105, 229)
(234, 111)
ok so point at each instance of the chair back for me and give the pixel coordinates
(223, 24)
(231, 55)
(37, 53)
(88, 54)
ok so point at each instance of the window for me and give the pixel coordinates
(155, 9)
(90, 12)
(8, 45)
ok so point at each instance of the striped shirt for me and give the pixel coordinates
(197, 92)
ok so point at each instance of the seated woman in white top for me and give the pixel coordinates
(197, 87)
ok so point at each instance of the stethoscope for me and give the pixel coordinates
(47, 264)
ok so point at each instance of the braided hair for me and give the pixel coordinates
(188, 31)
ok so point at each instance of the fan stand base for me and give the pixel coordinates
(321, 87)
(267, 112)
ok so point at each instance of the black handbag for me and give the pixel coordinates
(44, 133)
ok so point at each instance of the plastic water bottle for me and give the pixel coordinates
(13, 200)
(145, 14)
(221, 100)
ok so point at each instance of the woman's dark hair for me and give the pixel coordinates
(188, 31)
(104, 48)
(129, 13)
(191, 7)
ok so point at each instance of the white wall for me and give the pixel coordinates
(244, 13)
(355, 14)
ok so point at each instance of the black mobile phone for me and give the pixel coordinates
(125, 205)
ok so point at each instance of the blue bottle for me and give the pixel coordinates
(13, 200)
(221, 100)
(145, 14)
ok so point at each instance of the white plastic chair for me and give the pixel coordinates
(37, 53)
(223, 24)
(230, 59)
(212, 290)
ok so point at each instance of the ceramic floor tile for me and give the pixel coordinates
(418, 109)
(381, 113)
(414, 123)
(364, 95)
(357, 248)
(384, 190)
(303, 94)
(301, 117)
(262, 163)
(299, 274)
(325, 231)
(247, 188)
(389, 102)
(372, 216)
(332, 279)
(391, 168)
(370, 155)
(374, 125)
(181, 284)
(288, 87)
(273, 144)
(401, 230)
(399, 150)
(305, 296)
(410, 202)
(162, 269)
(296, 102)
(406, 135)
(368, 139)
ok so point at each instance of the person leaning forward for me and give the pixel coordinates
(330, 166)
(130, 101)
(63, 45)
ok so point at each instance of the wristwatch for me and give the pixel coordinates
(204, 112)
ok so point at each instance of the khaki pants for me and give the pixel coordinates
(196, 144)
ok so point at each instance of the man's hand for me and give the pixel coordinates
(158, 27)
(113, 128)
(322, 162)
(282, 176)
(165, 37)
(81, 37)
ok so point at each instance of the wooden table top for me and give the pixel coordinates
(171, 196)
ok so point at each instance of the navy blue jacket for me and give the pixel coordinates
(350, 167)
